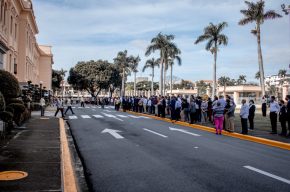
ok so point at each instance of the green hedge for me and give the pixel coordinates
(18, 111)
(9, 85)
(2, 102)
(6, 116)
(14, 100)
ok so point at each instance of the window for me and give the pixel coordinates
(15, 66)
(11, 25)
(15, 32)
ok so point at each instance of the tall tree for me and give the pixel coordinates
(151, 63)
(214, 37)
(201, 87)
(134, 62)
(123, 62)
(255, 13)
(242, 80)
(173, 55)
(162, 43)
(57, 78)
(282, 73)
(257, 75)
(224, 81)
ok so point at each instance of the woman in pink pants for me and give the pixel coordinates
(218, 112)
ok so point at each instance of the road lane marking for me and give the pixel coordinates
(93, 109)
(133, 116)
(98, 116)
(85, 116)
(268, 174)
(144, 117)
(80, 107)
(183, 131)
(155, 133)
(87, 107)
(108, 111)
(72, 117)
(114, 133)
(113, 116)
(73, 107)
(124, 116)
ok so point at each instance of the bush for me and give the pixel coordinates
(10, 109)
(14, 100)
(9, 85)
(18, 110)
(2, 102)
(6, 116)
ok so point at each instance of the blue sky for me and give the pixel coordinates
(82, 30)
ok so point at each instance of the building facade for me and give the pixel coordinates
(20, 53)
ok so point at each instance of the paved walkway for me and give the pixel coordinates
(35, 149)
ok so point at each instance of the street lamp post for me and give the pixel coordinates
(40, 86)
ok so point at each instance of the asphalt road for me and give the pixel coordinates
(123, 152)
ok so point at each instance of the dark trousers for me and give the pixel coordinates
(69, 108)
(198, 115)
(42, 110)
(82, 104)
(244, 125)
(186, 114)
(264, 109)
(192, 118)
(284, 128)
(177, 114)
(57, 110)
(163, 111)
(273, 118)
(173, 114)
(251, 121)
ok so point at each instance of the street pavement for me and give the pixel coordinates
(125, 152)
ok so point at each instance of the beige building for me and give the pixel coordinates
(20, 54)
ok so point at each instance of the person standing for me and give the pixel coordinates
(283, 117)
(209, 109)
(218, 115)
(252, 109)
(244, 114)
(204, 108)
(172, 108)
(69, 104)
(178, 109)
(274, 110)
(59, 107)
(264, 106)
(185, 108)
(42, 106)
(192, 110)
(288, 112)
(82, 101)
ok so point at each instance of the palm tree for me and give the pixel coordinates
(257, 75)
(282, 74)
(123, 62)
(242, 80)
(164, 44)
(134, 61)
(173, 57)
(255, 13)
(224, 81)
(201, 87)
(215, 38)
(151, 63)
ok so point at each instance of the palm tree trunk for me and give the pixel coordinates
(123, 83)
(152, 83)
(164, 80)
(224, 90)
(134, 83)
(161, 76)
(214, 72)
(260, 59)
(171, 79)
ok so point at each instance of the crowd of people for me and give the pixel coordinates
(220, 111)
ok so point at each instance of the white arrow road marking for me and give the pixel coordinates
(183, 131)
(124, 116)
(98, 116)
(267, 174)
(155, 133)
(72, 117)
(113, 132)
(133, 116)
(113, 116)
(85, 116)
(93, 107)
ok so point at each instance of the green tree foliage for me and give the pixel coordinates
(242, 80)
(9, 85)
(184, 84)
(93, 76)
(57, 77)
(201, 86)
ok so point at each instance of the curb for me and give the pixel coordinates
(68, 175)
(254, 139)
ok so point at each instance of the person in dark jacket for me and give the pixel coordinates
(252, 109)
(172, 108)
(283, 117)
(264, 106)
(288, 112)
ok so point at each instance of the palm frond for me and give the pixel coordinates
(202, 38)
(271, 14)
(210, 44)
(222, 39)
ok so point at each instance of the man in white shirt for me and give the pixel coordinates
(145, 104)
(244, 114)
(69, 101)
(274, 110)
(42, 106)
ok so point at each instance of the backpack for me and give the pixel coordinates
(192, 107)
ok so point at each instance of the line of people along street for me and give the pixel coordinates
(220, 111)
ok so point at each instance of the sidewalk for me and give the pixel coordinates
(35, 149)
